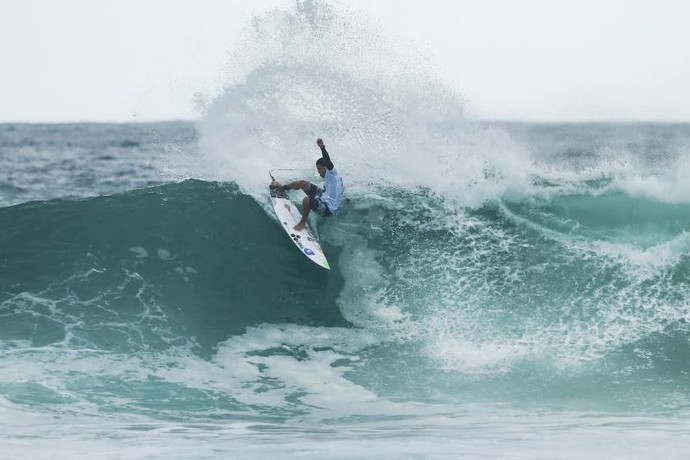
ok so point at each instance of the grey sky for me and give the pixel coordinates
(539, 60)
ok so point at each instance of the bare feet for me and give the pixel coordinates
(299, 226)
(275, 184)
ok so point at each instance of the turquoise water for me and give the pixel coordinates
(498, 290)
(147, 322)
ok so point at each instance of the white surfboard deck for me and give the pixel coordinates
(289, 215)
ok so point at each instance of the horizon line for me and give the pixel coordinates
(478, 120)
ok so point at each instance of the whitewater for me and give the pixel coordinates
(498, 290)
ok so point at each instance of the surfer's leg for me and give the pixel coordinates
(306, 207)
(310, 189)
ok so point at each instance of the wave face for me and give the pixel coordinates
(120, 273)
(488, 280)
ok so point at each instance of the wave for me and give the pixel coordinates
(465, 266)
(189, 262)
(199, 261)
(195, 284)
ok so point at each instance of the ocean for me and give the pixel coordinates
(498, 289)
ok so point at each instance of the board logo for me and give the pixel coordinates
(296, 239)
(308, 252)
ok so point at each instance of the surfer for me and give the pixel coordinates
(323, 201)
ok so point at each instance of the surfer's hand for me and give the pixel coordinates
(319, 142)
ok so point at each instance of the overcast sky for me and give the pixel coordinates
(535, 60)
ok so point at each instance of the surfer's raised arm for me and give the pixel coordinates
(326, 158)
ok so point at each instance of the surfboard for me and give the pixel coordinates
(288, 216)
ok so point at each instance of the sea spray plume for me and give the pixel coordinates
(444, 269)
(398, 134)
(318, 71)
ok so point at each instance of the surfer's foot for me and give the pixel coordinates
(276, 184)
(299, 226)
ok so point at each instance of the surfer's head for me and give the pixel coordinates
(321, 167)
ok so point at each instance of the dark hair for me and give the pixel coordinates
(321, 162)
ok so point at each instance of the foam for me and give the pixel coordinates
(386, 118)
(275, 363)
